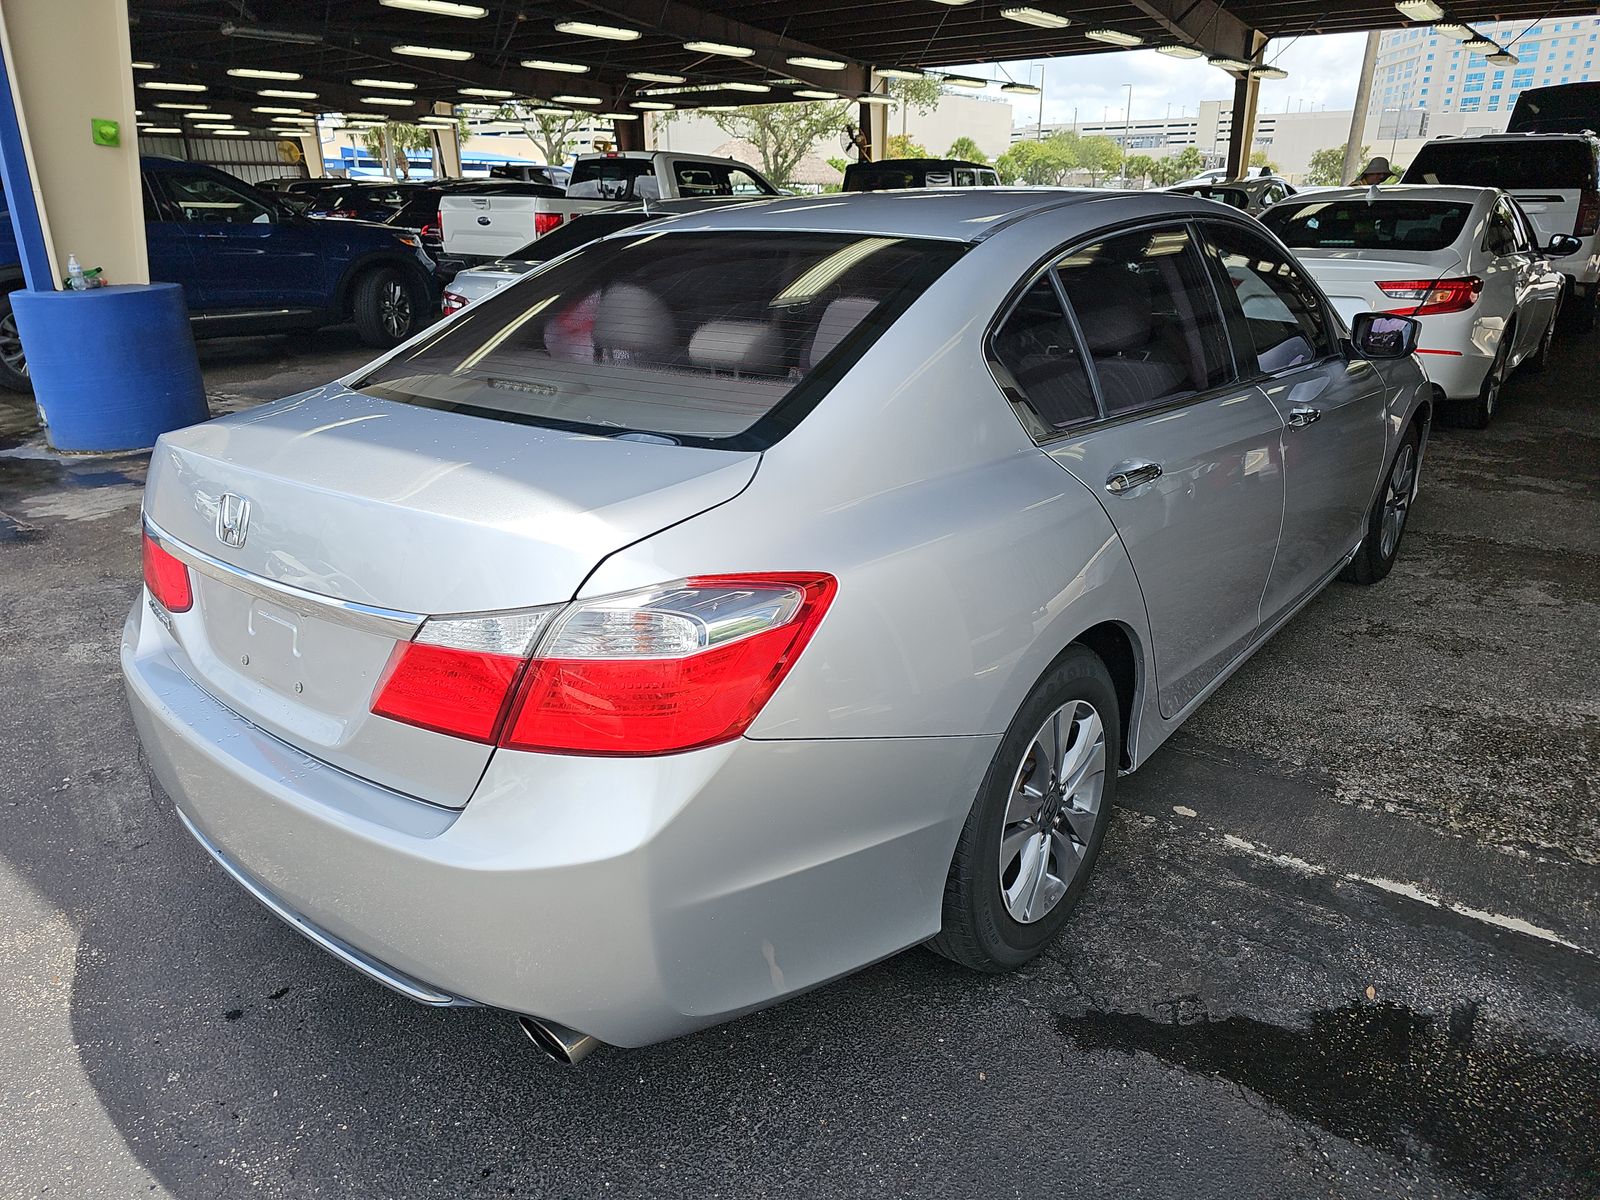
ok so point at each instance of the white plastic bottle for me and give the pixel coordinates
(75, 274)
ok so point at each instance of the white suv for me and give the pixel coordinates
(1555, 177)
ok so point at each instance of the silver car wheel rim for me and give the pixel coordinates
(1051, 811)
(1397, 499)
(11, 345)
(395, 307)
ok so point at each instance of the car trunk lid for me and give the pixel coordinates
(1351, 277)
(355, 517)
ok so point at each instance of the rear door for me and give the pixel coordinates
(1182, 455)
(1333, 437)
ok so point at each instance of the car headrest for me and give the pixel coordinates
(633, 319)
(1113, 307)
(838, 319)
(742, 347)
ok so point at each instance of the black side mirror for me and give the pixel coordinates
(1563, 244)
(1384, 335)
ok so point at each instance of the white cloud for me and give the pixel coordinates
(1322, 74)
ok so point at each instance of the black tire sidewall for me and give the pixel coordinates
(1078, 675)
(11, 380)
(369, 320)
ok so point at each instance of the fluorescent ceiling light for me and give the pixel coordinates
(367, 116)
(230, 133)
(207, 116)
(432, 52)
(813, 94)
(578, 99)
(1114, 37)
(214, 125)
(1179, 50)
(267, 108)
(1036, 17)
(192, 106)
(298, 120)
(396, 85)
(1503, 59)
(656, 77)
(816, 64)
(547, 64)
(746, 87)
(1454, 29)
(618, 116)
(1480, 45)
(896, 73)
(140, 65)
(287, 132)
(439, 8)
(612, 33)
(1225, 63)
(552, 112)
(155, 85)
(159, 129)
(721, 48)
(1419, 10)
(653, 105)
(253, 73)
(954, 3)
(282, 94)
(489, 93)
(1021, 89)
(393, 101)
(1270, 73)
(965, 81)
(291, 37)
(874, 98)
(717, 108)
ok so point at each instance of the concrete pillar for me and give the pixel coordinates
(68, 74)
(874, 131)
(311, 153)
(446, 146)
(1358, 115)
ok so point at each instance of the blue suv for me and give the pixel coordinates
(249, 265)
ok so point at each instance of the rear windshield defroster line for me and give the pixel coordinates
(723, 340)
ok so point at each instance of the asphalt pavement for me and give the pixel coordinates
(1342, 941)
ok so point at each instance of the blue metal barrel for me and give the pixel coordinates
(113, 368)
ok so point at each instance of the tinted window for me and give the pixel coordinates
(1540, 163)
(716, 179)
(1038, 352)
(612, 179)
(1359, 225)
(695, 336)
(1149, 317)
(209, 200)
(879, 178)
(1277, 316)
(1233, 197)
(1569, 109)
(1500, 238)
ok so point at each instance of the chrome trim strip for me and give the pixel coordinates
(368, 618)
(408, 987)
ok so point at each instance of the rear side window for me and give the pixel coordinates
(698, 338)
(1555, 163)
(1360, 224)
(612, 179)
(1149, 318)
(1278, 314)
(1035, 347)
(718, 179)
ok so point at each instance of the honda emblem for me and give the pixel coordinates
(233, 519)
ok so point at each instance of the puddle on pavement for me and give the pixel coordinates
(1481, 1103)
(19, 420)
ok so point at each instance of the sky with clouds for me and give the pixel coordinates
(1322, 74)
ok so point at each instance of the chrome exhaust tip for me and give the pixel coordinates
(560, 1044)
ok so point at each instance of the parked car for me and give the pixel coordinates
(528, 173)
(1464, 260)
(362, 200)
(248, 265)
(890, 173)
(734, 604)
(1253, 195)
(1562, 108)
(1555, 177)
(482, 228)
(478, 282)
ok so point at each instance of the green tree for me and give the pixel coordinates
(1258, 158)
(918, 95)
(551, 133)
(1140, 167)
(782, 133)
(1165, 172)
(389, 142)
(1040, 163)
(965, 147)
(1098, 156)
(900, 146)
(1326, 167)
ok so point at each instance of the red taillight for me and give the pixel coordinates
(343, 212)
(459, 692)
(1588, 222)
(656, 671)
(167, 578)
(544, 222)
(453, 302)
(1430, 296)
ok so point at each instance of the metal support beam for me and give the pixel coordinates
(1246, 94)
(1205, 24)
(1358, 116)
(27, 218)
(630, 135)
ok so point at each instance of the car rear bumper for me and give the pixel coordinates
(630, 899)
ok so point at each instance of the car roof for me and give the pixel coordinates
(1587, 136)
(952, 214)
(891, 163)
(1398, 191)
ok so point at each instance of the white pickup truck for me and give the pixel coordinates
(480, 227)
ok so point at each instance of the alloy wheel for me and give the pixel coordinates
(394, 306)
(1397, 499)
(1051, 813)
(11, 345)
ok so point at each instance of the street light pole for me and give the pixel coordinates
(1041, 67)
(1127, 130)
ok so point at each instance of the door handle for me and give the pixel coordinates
(1132, 475)
(1299, 418)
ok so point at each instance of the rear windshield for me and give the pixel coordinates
(1570, 108)
(1358, 225)
(612, 179)
(1554, 163)
(705, 339)
(1233, 197)
(881, 179)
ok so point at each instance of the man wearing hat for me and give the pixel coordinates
(1378, 171)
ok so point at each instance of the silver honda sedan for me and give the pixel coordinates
(731, 604)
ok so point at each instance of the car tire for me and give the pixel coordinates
(389, 306)
(1479, 411)
(13, 366)
(1005, 899)
(1386, 522)
(1539, 360)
